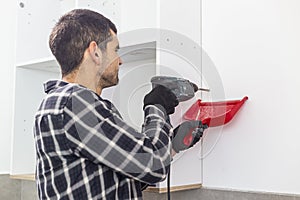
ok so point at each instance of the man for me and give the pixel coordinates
(84, 148)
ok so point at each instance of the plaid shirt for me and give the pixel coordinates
(86, 151)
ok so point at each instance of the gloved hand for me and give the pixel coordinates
(160, 95)
(187, 135)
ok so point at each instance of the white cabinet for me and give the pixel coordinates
(35, 65)
(139, 14)
(7, 54)
(182, 17)
(28, 94)
(36, 19)
(34, 22)
(145, 51)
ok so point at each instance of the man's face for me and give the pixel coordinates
(111, 62)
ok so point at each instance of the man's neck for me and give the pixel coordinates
(74, 77)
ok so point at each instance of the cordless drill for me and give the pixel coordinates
(183, 90)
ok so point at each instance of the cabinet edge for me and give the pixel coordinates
(173, 188)
(29, 177)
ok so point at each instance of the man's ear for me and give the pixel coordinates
(95, 52)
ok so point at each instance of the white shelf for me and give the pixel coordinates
(45, 64)
(138, 52)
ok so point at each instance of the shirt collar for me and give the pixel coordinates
(52, 84)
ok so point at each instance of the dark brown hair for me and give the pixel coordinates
(73, 33)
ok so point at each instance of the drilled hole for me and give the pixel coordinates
(22, 5)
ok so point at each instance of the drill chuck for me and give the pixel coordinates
(182, 88)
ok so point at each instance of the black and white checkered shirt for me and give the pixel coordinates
(86, 151)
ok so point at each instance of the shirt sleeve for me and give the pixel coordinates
(100, 135)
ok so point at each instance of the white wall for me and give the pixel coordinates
(255, 46)
(7, 48)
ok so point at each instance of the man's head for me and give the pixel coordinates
(76, 32)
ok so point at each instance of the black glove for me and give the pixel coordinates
(187, 135)
(160, 95)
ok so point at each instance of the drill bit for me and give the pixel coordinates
(199, 89)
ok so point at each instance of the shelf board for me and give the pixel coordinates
(128, 54)
(145, 51)
(45, 64)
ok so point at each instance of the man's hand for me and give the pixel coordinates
(187, 135)
(162, 96)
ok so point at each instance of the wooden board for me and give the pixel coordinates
(174, 188)
(29, 177)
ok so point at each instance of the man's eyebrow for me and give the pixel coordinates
(118, 46)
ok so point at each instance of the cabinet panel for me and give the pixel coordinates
(180, 55)
(139, 14)
(182, 17)
(36, 19)
(28, 95)
(34, 22)
(109, 8)
(7, 52)
(187, 166)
